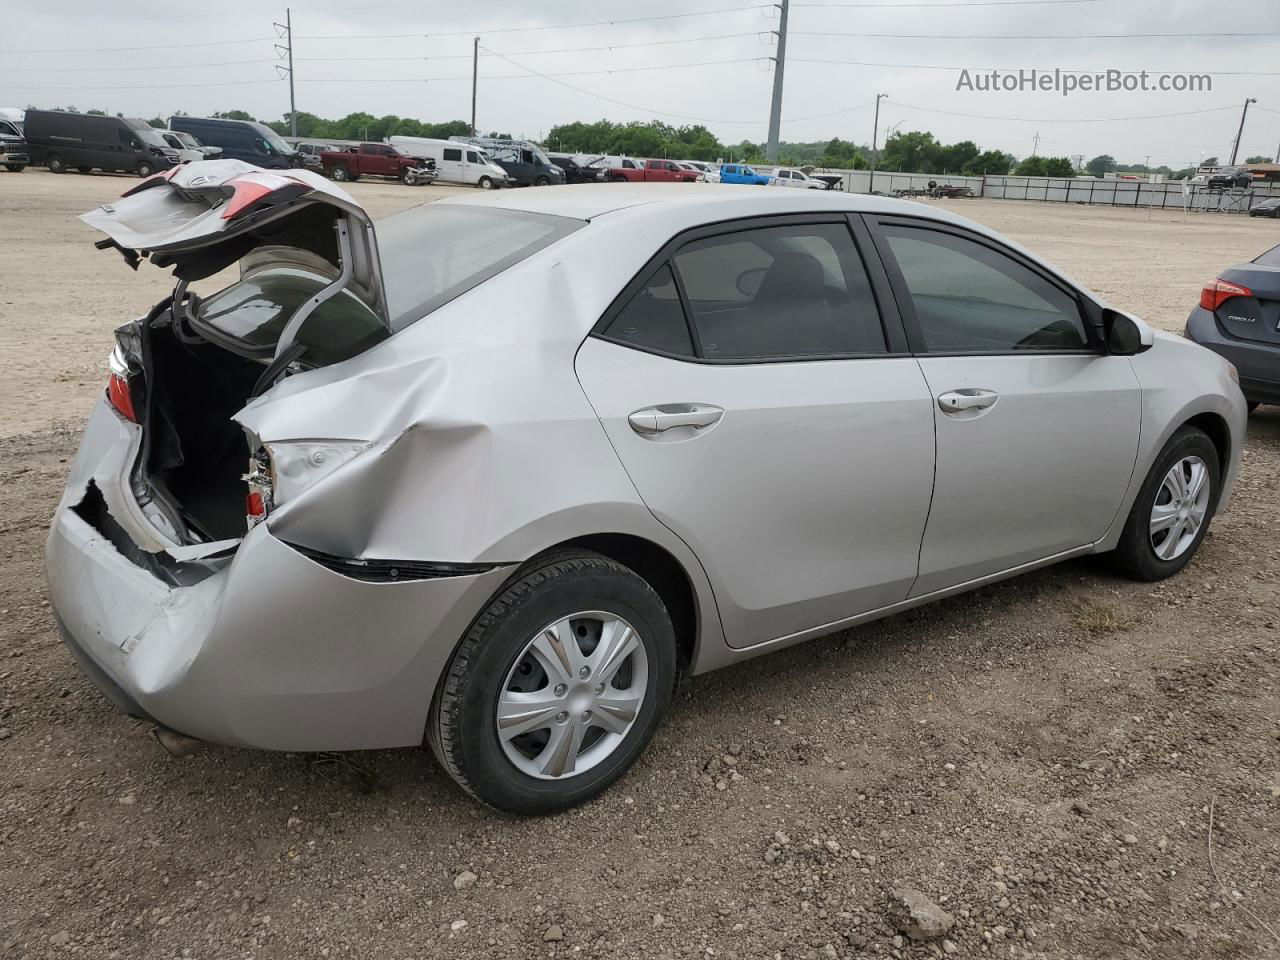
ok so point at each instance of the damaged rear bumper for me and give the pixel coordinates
(274, 650)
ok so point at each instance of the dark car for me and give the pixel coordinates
(1238, 317)
(1267, 208)
(13, 146)
(575, 172)
(1230, 177)
(244, 140)
(62, 141)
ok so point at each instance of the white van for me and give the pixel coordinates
(457, 162)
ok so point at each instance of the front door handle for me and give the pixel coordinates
(666, 416)
(967, 398)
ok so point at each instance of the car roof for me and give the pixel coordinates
(712, 201)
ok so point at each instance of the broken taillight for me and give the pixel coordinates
(119, 393)
(1217, 292)
(257, 500)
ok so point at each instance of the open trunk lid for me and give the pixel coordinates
(202, 217)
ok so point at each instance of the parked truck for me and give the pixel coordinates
(648, 171)
(377, 160)
(741, 173)
(13, 143)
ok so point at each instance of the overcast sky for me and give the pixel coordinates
(197, 73)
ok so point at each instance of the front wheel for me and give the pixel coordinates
(341, 174)
(145, 169)
(15, 167)
(485, 183)
(541, 182)
(1169, 519)
(557, 687)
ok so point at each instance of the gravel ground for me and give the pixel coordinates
(1040, 759)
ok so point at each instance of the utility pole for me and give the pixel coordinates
(1035, 143)
(285, 32)
(875, 129)
(779, 64)
(1235, 147)
(475, 75)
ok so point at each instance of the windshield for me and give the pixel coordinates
(435, 252)
(187, 140)
(273, 139)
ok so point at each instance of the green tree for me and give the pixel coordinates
(990, 163)
(913, 152)
(1032, 166)
(233, 115)
(1258, 159)
(1101, 164)
(955, 157)
(1058, 167)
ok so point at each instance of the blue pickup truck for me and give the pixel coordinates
(741, 173)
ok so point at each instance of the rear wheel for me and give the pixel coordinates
(485, 183)
(1169, 519)
(340, 173)
(55, 164)
(557, 687)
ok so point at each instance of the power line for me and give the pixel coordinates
(1024, 36)
(173, 66)
(551, 26)
(528, 53)
(1063, 70)
(983, 116)
(621, 103)
(965, 3)
(159, 46)
(152, 86)
(525, 76)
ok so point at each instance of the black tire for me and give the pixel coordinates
(15, 167)
(485, 183)
(145, 169)
(463, 728)
(55, 164)
(541, 182)
(84, 169)
(1135, 556)
(1252, 405)
(340, 173)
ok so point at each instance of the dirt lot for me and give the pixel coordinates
(1040, 758)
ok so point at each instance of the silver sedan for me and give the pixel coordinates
(494, 472)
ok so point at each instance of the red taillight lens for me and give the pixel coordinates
(254, 506)
(1217, 292)
(120, 397)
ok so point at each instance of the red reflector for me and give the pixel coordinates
(1217, 292)
(118, 396)
(253, 504)
(246, 194)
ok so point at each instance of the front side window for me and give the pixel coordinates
(777, 292)
(472, 157)
(970, 298)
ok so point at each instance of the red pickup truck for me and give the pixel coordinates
(377, 160)
(649, 171)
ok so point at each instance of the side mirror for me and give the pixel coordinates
(1126, 335)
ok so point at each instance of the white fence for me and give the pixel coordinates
(1118, 193)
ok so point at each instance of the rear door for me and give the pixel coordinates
(770, 419)
(1037, 427)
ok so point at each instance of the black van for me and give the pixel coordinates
(241, 140)
(81, 141)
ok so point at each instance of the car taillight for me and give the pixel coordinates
(119, 396)
(261, 481)
(1217, 292)
(119, 393)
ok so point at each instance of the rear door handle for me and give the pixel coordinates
(967, 398)
(666, 416)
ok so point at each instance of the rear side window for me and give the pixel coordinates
(970, 298)
(778, 292)
(437, 251)
(452, 154)
(654, 319)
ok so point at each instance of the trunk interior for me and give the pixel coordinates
(195, 455)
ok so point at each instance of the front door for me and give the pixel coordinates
(1037, 428)
(746, 382)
